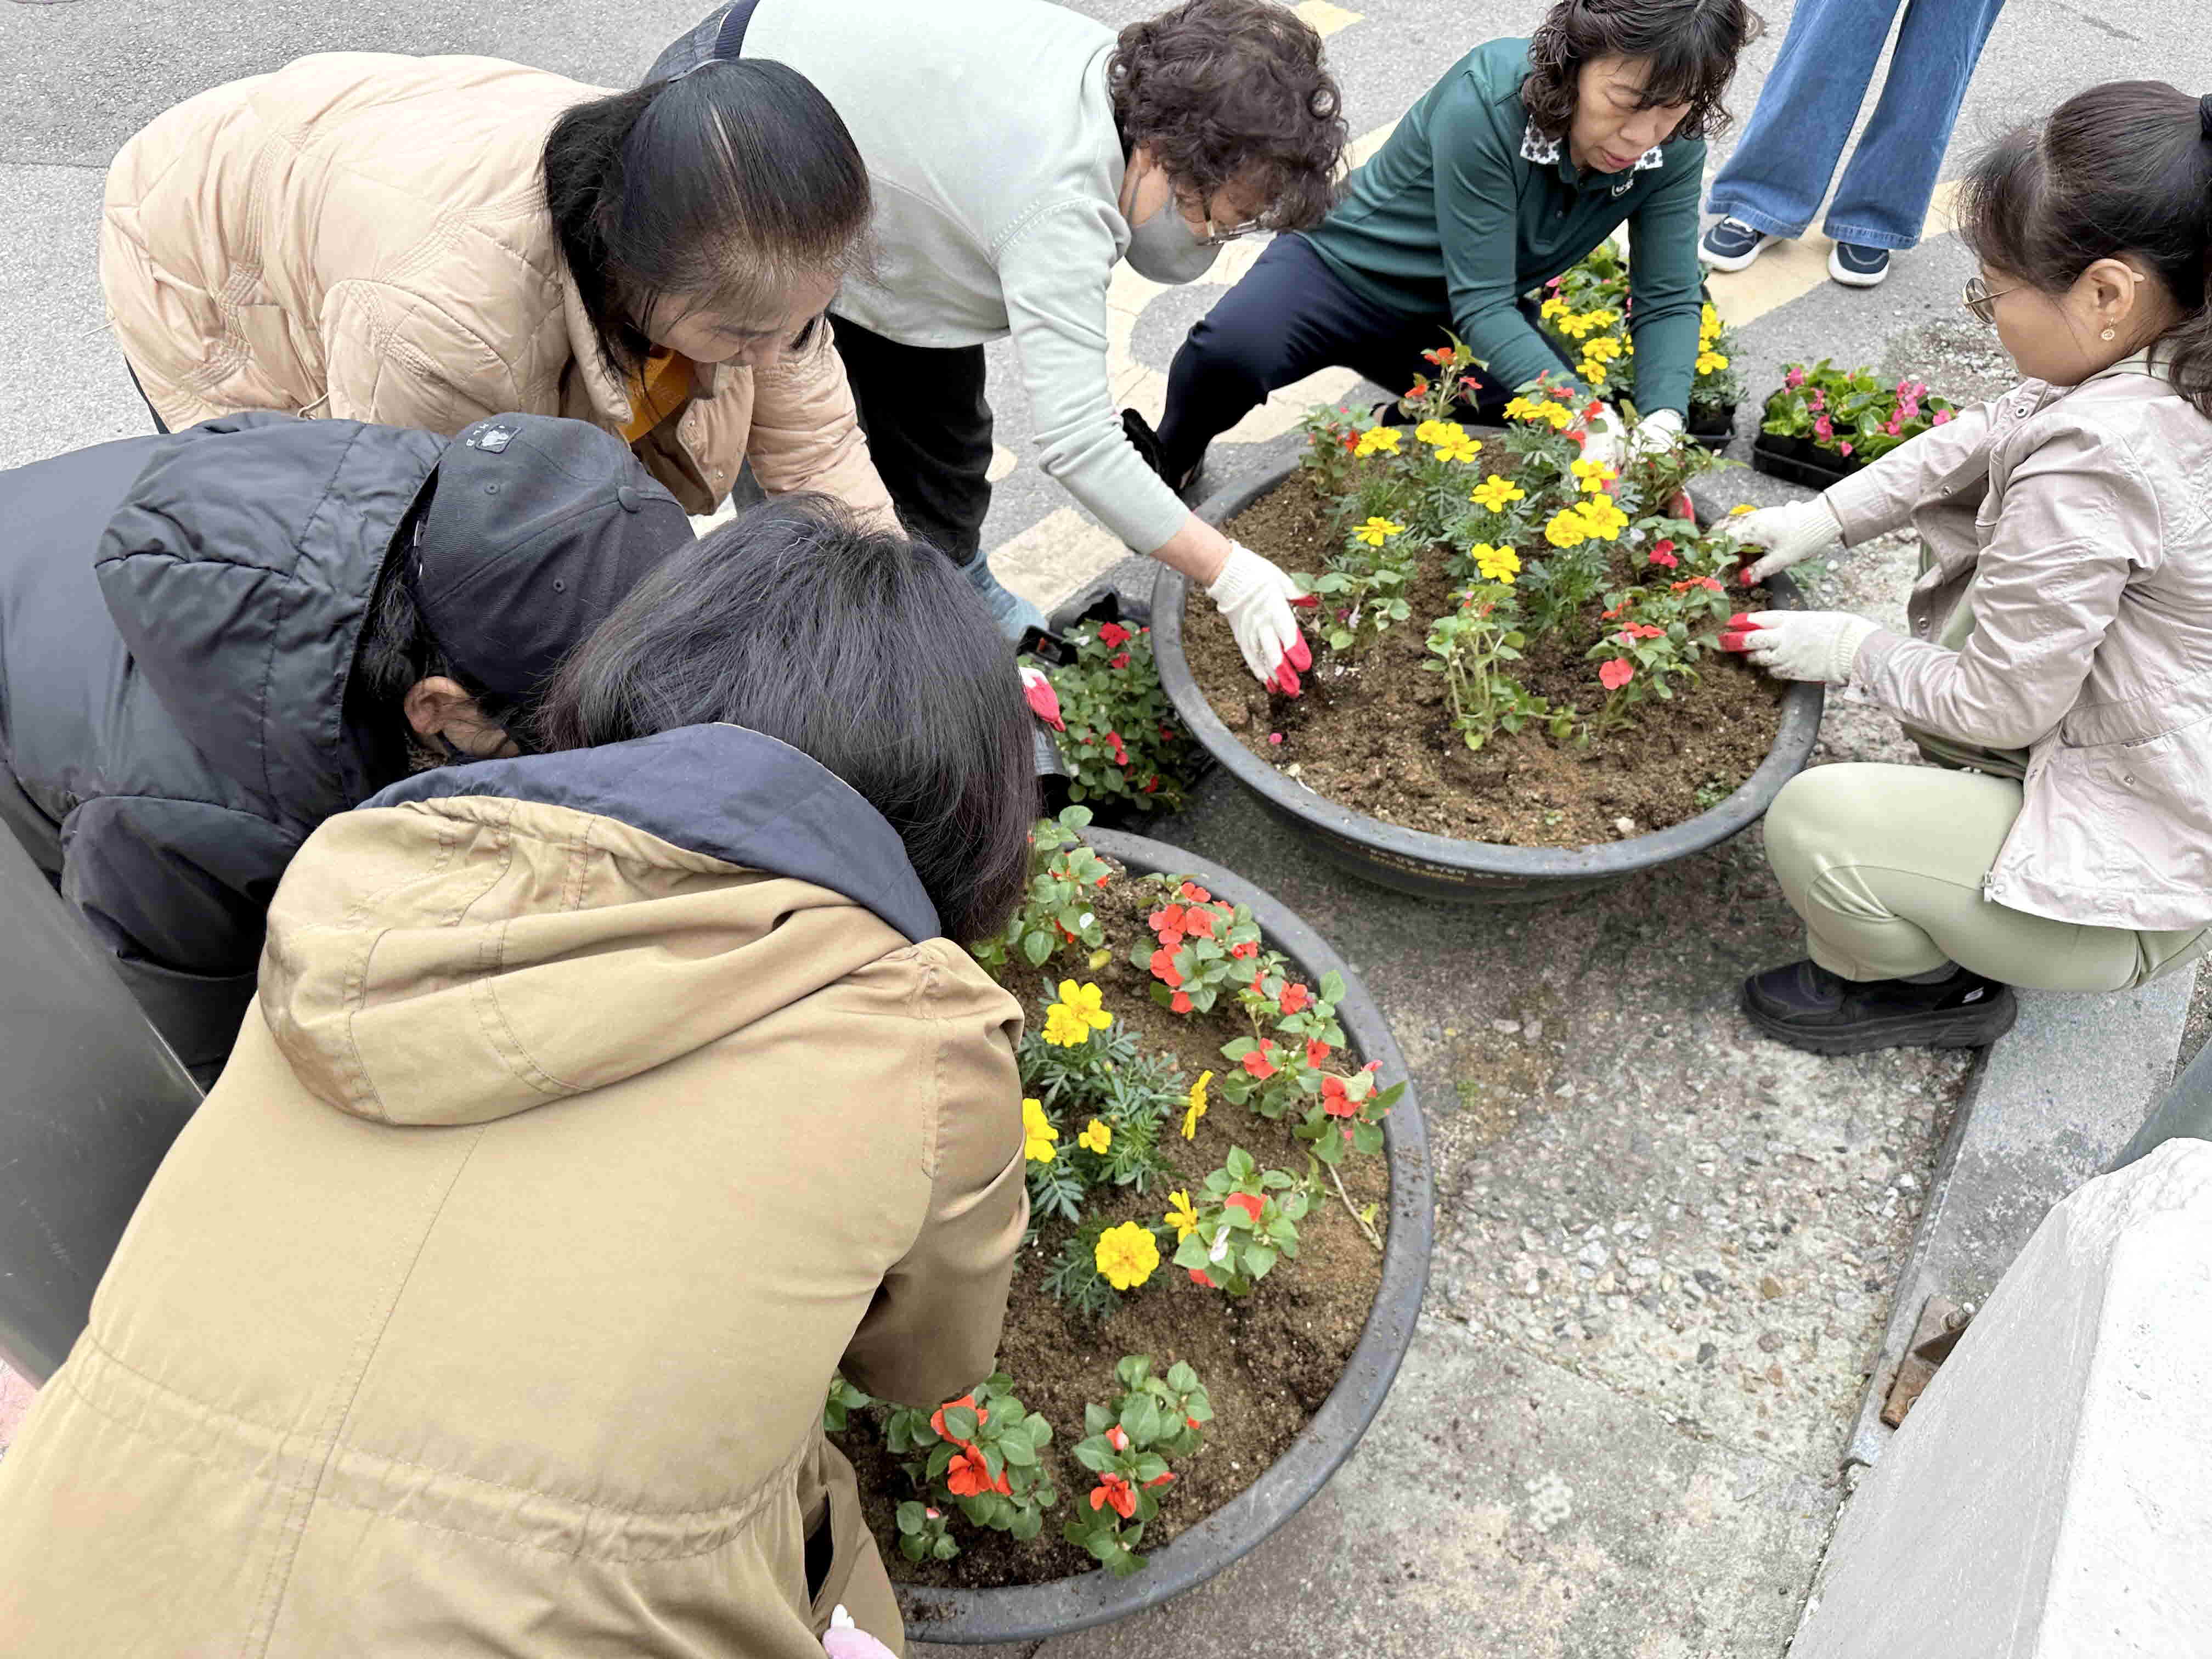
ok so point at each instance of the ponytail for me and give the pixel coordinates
(720, 187)
(2123, 169)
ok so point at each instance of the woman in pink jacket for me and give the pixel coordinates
(425, 241)
(2059, 661)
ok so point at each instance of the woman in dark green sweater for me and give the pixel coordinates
(1523, 159)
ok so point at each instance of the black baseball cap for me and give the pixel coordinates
(538, 528)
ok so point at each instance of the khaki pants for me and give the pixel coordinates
(1884, 864)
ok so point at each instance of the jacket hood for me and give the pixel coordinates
(238, 570)
(486, 939)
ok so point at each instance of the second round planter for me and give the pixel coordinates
(1441, 866)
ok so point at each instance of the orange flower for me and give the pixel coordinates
(1163, 968)
(1112, 1489)
(1316, 1052)
(1295, 998)
(1247, 1202)
(1334, 1101)
(1198, 1277)
(1180, 1003)
(937, 1417)
(1615, 674)
(1196, 894)
(968, 1476)
(1198, 923)
(1260, 1061)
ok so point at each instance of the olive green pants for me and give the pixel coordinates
(1884, 864)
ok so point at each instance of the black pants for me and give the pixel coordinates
(159, 425)
(929, 431)
(1290, 316)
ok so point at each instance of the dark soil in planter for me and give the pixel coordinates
(1374, 733)
(1267, 1361)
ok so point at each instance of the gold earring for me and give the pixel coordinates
(2107, 334)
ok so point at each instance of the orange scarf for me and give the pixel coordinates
(657, 393)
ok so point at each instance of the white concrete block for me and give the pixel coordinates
(2050, 1495)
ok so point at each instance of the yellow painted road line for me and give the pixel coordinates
(1323, 19)
(1789, 269)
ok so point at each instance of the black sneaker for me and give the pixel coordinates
(1807, 1007)
(1857, 266)
(1731, 245)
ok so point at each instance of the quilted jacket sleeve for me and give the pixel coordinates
(806, 433)
(178, 892)
(398, 358)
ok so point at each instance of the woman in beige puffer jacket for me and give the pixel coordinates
(425, 241)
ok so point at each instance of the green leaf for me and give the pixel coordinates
(1140, 1419)
(910, 1518)
(1094, 1454)
(1097, 1419)
(1036, 947)
(1133, 1369)
(1259, 1259)
(1018, 1452)
(1027, 1524)
(960, 1422)
(946, 1548)
(1150, 1467)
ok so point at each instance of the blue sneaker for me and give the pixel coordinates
(1857, 266)
(1015, 615)
(1731, 245)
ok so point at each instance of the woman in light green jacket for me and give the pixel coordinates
(2060, 656)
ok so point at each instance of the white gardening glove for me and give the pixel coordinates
(1657, 433)
(1256, 599)
(845, 1640)
(1791, 534)
(1800, 645)
(1605, 442)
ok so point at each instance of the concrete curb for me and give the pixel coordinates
(2047, 1108)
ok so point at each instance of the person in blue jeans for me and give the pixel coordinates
(1772, 184)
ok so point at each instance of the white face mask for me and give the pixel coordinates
(1162, 248)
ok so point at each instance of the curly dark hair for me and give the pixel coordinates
(1233, 91)
(1691, 44)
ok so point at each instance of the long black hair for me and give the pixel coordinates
(2123, 168)
(720, 187)
(865, 650)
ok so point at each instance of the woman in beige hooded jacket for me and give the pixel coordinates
(598, 1104)
(425, 241)
(2060, 657)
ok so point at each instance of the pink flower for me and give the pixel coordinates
(1274, 737)
(1615, 674)
(1942, 415)
(1794, 379)
(1819, 399)
(1892, 425)
(1824, 428)
(1845, 447)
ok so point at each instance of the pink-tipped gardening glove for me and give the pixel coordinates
(1043, 700)
(1605, 441)
(1800, 645)
(1256, 597)
(843, 1640)
(1791, 534)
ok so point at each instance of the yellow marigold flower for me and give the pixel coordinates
(1382, 439)
(1495, 493)
(1594, 475)
(1126, 1255)
(1497, 564)
(1604, 350)
(1077, 1014)
(1037, 1133)
(1710, 362)
(1560, 416)
(1602, 518)
(1181, 1216)
(1375, 531)
(1604, 317)
(1096, 1137)
(1709, 320)
(1524, 408)
(1462, 449)
(1439, 432)
(1196, 1110)
(1567, 528)
(1554, 306)
(1594, 373)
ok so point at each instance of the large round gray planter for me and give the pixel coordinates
(1029, 1612)
(1441, 866)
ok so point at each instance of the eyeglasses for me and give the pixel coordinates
(1214, 237)
(1981, 301)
